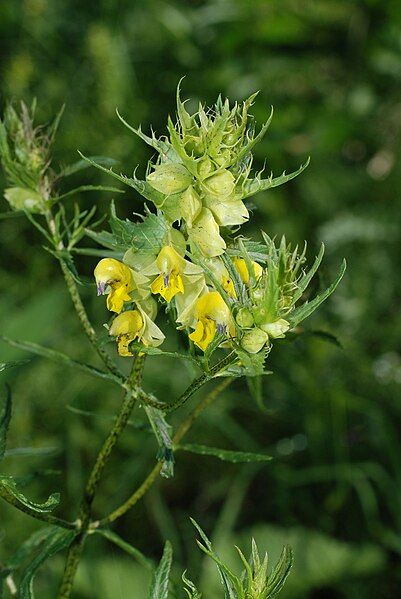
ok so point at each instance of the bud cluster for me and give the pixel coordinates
(224, 290)
(25, 157)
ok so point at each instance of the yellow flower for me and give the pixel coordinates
(114, 278)
(242, 269)
(205, 232)
(126, 327)
(174, 273)
(221, 273)
(135, 324)
(213, 316)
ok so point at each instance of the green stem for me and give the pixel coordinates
(83, 317)
(76, 548)
(76, 298)
(200, 381)
(152, 476)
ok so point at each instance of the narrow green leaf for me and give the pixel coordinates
(28, 546)
(161, 577)
(190, 588)
(82, 188)
(231, 583)
(80, 165)
(29, 452)
(60, 358)
(306, 279)
(56, 540)
(143, 187)
(162, 433)
(156, 351)
(133, 551)
(7, 365)
(224, 454)
(10, 492)
(302, 312)
(254, 186)
(280, 573)
(5, 421)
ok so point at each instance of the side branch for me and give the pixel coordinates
(84, 320)
(152, 476)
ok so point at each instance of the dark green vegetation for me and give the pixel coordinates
(332, 70)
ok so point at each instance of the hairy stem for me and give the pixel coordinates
(152, 476)
(84, 320)
(76, 548)
(200, 381)
(76, 298)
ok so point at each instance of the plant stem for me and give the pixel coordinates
(200, 381)
(83, 317)
(150, 479)
(76, 548)
(76, 298)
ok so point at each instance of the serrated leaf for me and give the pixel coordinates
(56, 540)
(5, 418)
(161, 577)
(82, 164)
(225, 455)
(231, 583)
(10, 492)
(143, 187)
(280, 573)
(161, 430)
(163, 147)
(146, 236)
(190, 588)
(250, 364)
(127, 547)
(306, 279)
(302, 312)
(254, 186)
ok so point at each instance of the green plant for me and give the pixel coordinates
(227, 297)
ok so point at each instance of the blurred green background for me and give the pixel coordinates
(332, 70)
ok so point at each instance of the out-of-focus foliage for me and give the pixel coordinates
(332, 70)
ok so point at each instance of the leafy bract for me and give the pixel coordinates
(224, 454)
(161, 576)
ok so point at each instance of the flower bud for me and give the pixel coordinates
(221, 184)
(205, 233)
(228, 212)
(254, 340)
(205, 167)
(190, 205)
(276, 330)
(169, 178)
(244, 318)
(24, 199)
(242, 269)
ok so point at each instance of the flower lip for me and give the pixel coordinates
(101, 288)
(221, 328)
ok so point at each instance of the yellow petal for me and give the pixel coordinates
(242, 269)
(204, 333)
(116, 299)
